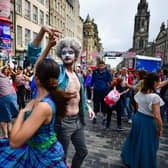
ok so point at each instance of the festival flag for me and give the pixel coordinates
(94, 54)
(83, 55)
(131, 53)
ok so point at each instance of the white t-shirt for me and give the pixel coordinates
(145, 102)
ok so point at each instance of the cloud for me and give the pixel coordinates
(115, 20)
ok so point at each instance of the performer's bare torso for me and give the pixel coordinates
(73, 86)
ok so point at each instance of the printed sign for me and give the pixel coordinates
(149, 65)
(5, 31)
(5, 42)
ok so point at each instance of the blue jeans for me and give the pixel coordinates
(125, 103)
(129, 111)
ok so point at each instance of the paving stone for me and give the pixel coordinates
(104, 146)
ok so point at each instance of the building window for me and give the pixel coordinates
(34, 35)
(27, 36)
(58, 7)
(41, 1)
(58, 23)
(19, 6)
(47, 20)
(141, 44)
(11, 16)
(19, 35)
(27, 9)
(47, 4)
(51, 19)
(55, 4)
(35, 14)
(55, 20)
(41, 17)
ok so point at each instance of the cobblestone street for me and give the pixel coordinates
(105, 145)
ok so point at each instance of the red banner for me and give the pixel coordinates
(131, 53)
(83, 55)
(159, 54)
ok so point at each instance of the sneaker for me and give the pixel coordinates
(94, 120)
(129, 121)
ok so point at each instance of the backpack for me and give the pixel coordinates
(88, 80)
(113, 96)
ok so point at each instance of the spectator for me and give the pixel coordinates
(88, 84)
(100, 84)
(8, 103)
(141, 145)
(33, 142)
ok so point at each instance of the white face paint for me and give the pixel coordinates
(67, 53)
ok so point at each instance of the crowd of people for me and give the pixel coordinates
(49, 103)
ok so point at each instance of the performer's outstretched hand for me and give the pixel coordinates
(91, 113)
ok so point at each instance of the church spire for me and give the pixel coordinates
(143, 1)
(141, 27)
(142, 7)
(88, 18)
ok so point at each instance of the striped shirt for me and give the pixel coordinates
(6, 87)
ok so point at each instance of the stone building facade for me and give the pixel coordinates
(29, 15)
(91, 40)
(161, 44)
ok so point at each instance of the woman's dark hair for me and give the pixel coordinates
(47, 71)
(142, 73)
(3, 70)
(149, 82)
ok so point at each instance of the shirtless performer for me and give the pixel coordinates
(71, 127)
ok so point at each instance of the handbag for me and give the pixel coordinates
(114, 96)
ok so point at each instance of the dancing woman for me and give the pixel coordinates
(33, 141)
(140, 148)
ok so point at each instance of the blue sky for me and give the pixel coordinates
(115, 20)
